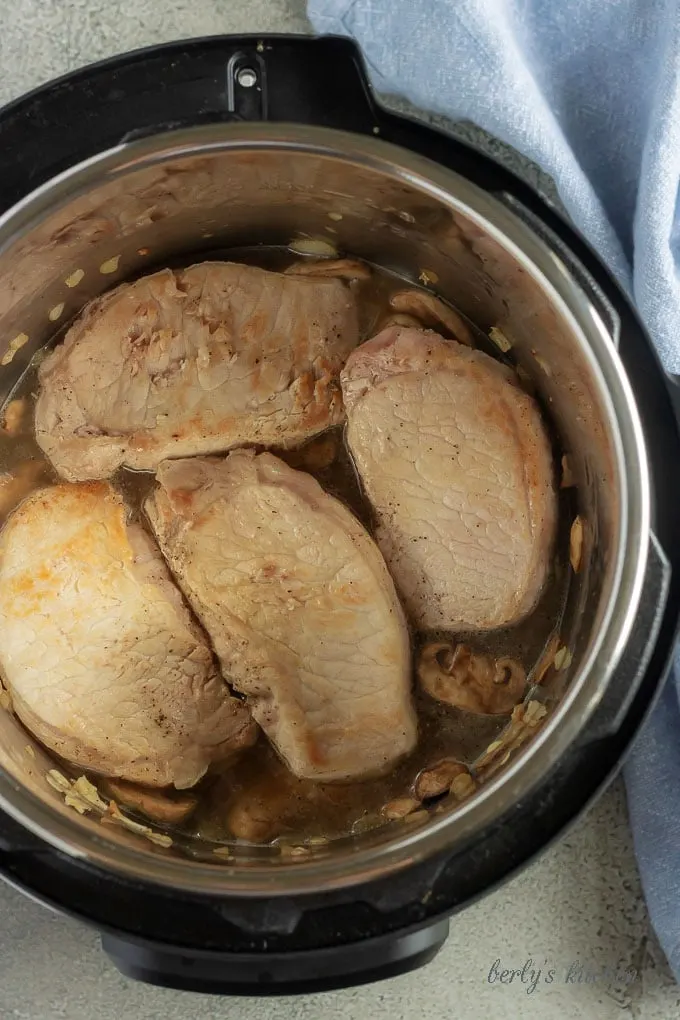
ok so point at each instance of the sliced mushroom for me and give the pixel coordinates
(398, 319)
(416, 817)
(437, 779)
(346, 269)
(431, 311)
(463, 786)
(469, 680)
(400, 807)
(170, 808)
(256, 819)
(268, 806)
(264, 801)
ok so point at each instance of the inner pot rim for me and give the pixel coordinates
(86, 840)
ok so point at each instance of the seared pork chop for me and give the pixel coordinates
(195, 361)
(455, 460)
(104, 662)
(299, 606)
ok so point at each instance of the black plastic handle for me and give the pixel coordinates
(287, 973)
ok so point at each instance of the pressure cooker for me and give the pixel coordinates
(174, 151)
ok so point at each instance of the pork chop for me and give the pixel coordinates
(299, 606)
(455, 459)
(104, 662)
(195, 361)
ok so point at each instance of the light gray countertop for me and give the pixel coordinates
(577, 909)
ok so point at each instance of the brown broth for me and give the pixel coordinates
(302, 809)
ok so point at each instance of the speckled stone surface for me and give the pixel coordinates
(578, 911)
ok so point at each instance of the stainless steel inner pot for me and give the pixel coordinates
(176, 195)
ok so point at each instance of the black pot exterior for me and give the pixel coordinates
(325, 940)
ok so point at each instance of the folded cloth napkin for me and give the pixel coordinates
(589, 90)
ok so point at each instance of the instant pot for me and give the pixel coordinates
(164, 154)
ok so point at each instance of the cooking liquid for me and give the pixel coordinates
(256, 799)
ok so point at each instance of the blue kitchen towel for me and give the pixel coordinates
(589, 90)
